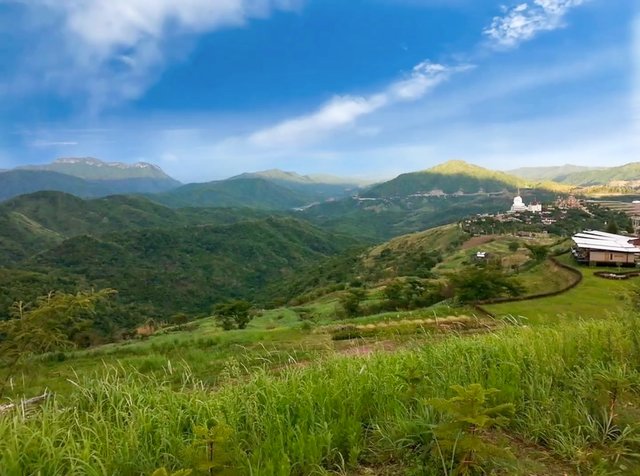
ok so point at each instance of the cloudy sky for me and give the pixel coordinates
(371, 88)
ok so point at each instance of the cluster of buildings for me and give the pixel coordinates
(519, 206)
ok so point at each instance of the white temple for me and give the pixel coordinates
(519, 206)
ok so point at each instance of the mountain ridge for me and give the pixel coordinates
(90, 168)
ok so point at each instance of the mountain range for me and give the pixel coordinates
(583, 176)
(85, 177)
(241, 237)
(282, 190)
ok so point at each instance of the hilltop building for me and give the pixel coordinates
(520, 207)
(600, 248)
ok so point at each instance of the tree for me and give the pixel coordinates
(351, 300)
(482, 283)
(539, 252)
(514, 246)
(179, 319)
(55, 322)
(612, 227)
(459, 441)
(234, 314)
(411, 294)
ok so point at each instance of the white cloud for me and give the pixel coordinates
(53, 143)
(113, 50)
(344, 111)
(524, 21)
(108, 25)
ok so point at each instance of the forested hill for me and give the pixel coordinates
(452, 177)
(583, 176)
(18, 182)
(624, 173)
(420, 200)
(33, 223)
(316, 187)
(242, 192)
(189, 269)
(554, 173)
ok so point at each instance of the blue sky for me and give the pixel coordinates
(371, 88)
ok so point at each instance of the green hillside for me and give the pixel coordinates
(33, 223)
(452, 177)
(188, 269)
(319, 187)
(581, 176)
(628, 172)
(555, 174)
(242, 192)
(19, 182)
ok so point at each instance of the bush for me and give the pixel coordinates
(483, 283)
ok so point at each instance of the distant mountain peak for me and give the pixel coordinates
(90, 168)
(91, 161)
(458, 167)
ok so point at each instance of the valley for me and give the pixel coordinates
(291, 335)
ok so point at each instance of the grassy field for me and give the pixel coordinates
(593, 298)
(303, 391)
(353, 415)
(272, 340)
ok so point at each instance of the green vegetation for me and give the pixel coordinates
(459, 443)
(562, 222)
(55, 322)
(84, 178)
(406, 204)
(30, 224)
(255, 193)
(554, 174)
(595, 297)
(482, 283)
(318, 187)
(582, 176)
(192, 268)
(628, 172)
(348, 413)
(248, 344)
(19, 182)
(452, 177)
(233, 314)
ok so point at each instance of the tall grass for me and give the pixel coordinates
(336, 413)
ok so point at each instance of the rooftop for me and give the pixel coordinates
(600, 240)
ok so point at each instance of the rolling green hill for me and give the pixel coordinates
(241, 192)
(19, 182)
(320, 187)
(555, 174)
(624, 173)
(22, 181)
(454, 177)
(32, 223)
(189, 269)
(420, 200)
(582, 176)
